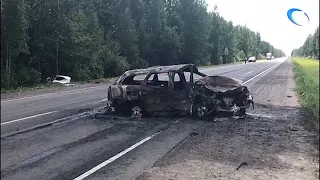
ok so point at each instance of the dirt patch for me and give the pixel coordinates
(272, 140)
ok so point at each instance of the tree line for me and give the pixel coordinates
(102, 38)
(310, 47)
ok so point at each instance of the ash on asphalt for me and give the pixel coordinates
(271, 142)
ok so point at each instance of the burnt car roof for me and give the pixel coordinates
(160, 69)
(164, 69)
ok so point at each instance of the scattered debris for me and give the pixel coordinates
(193, 134)
(239, 117)
(220, 119)
(242, 164)
(258, 115)
(293, 128)
(69, 84)
(61, 79)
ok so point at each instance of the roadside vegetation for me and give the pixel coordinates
(306, 73)
(21, 88)
(89, 40)
(310, 48)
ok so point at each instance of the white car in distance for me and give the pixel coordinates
(252, 59)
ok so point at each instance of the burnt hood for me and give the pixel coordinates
(219, 83)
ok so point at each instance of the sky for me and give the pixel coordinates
(269, 17)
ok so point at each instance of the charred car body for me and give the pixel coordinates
(177, 90)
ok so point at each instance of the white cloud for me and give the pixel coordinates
(269, 17)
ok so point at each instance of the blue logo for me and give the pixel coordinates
(289, 14)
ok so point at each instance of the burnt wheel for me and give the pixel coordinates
(136, 111)
(242, 112)
(199, 109)
(109, 109)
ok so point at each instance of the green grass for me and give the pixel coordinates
(21, 89)
(306, 74)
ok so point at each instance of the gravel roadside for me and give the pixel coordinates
(271, 141)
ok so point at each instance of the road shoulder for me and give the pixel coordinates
(48, 90)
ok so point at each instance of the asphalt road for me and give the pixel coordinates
(95, 147)
(27, 112)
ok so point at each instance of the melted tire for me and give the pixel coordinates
(242, 112)
(196, 111)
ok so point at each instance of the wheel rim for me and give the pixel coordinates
(136, 112)
(110, 109)
(201, 110)
(234, 109)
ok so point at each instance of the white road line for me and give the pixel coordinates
(53, 111)
(66, 119)
(248, 73)
(21, 119)
(58, 105)
(29, 97)
(245, 74)
(101, 165)
(262, 72)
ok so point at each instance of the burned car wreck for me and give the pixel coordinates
(177, 90)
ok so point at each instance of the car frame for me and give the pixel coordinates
(175, 95)
(172, 96)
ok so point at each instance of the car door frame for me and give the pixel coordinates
(159, 101)
(180, 99)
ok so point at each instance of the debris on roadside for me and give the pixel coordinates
(294, 128)
(220, 119)
(61, 80)
(242, 164)
(194, 133)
